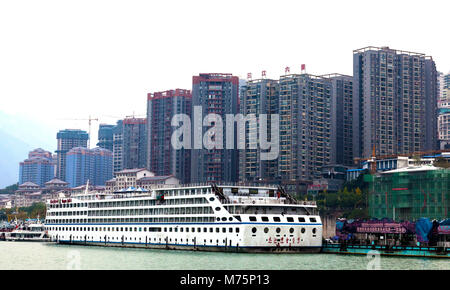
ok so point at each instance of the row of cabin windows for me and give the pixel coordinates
(278, 230)
(131, 203)
(149, 240)
(132, 220)
(146, 211)
(277, 219)
(147, 202)
(145, 229)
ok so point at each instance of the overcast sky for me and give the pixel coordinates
(71, 59)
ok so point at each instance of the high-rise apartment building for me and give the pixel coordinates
(394, 102)
(85, 164)
(257, 97)
(38, 168)
(105, 136)
(218, 94)
(341, 119)
(134, 154)
(305, 126)
(162, 158)
(118, 146)
(68, 139)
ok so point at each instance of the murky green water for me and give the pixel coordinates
(25, 255)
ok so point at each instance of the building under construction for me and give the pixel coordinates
(409, 193)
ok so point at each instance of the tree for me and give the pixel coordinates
(9, 189)
(441, 162)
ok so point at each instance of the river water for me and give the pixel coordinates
(29, 255)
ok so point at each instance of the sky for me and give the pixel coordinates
(65, 60)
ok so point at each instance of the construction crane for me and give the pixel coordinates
(90, 122)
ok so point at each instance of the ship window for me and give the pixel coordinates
(211, 230)
(224, 219)
(211, 198)
(252, 218)
(217, 230)
(205, 230)
(303, 230)
(181, 229)
(314, 230)
(218, 219)
(291, 230)
(230, 219)
(313, 220)
(193, 230)
(266, 230)
(302, 220)
(278, 230)
(253, 230)
(217, 208)
(276, 219)
(230, 230)
(290, 219)
(187, 230)
(224, 230)
(170, 229)
(265, 219)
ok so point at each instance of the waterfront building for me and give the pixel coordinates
(85, 164)
(341, 119)
(162, 158)
(305, 126)
(118, 146)
(331, 180)
(55, 185)
(106, 136)
(68, 139)
(149, 182)
(444, 127)
(395, 95)
(128, 178)
(409, 193)
(257, 97)
(134, 154)
(214, 93)
(38, 168)
(27, 194)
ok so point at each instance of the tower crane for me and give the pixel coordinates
(90, 122)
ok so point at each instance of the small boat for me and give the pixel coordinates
(34, 232)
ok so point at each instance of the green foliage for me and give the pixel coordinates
(349, 202)
(34, 210)
(441, 162)
(37, 209)
(9, 189)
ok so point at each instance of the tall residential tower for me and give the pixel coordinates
(395, 102)
(215, 94)
(68, 139)
(162, 158)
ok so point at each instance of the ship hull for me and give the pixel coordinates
(207, 248)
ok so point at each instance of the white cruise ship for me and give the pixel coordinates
(202, 217)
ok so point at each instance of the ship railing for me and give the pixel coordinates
(269, 201)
